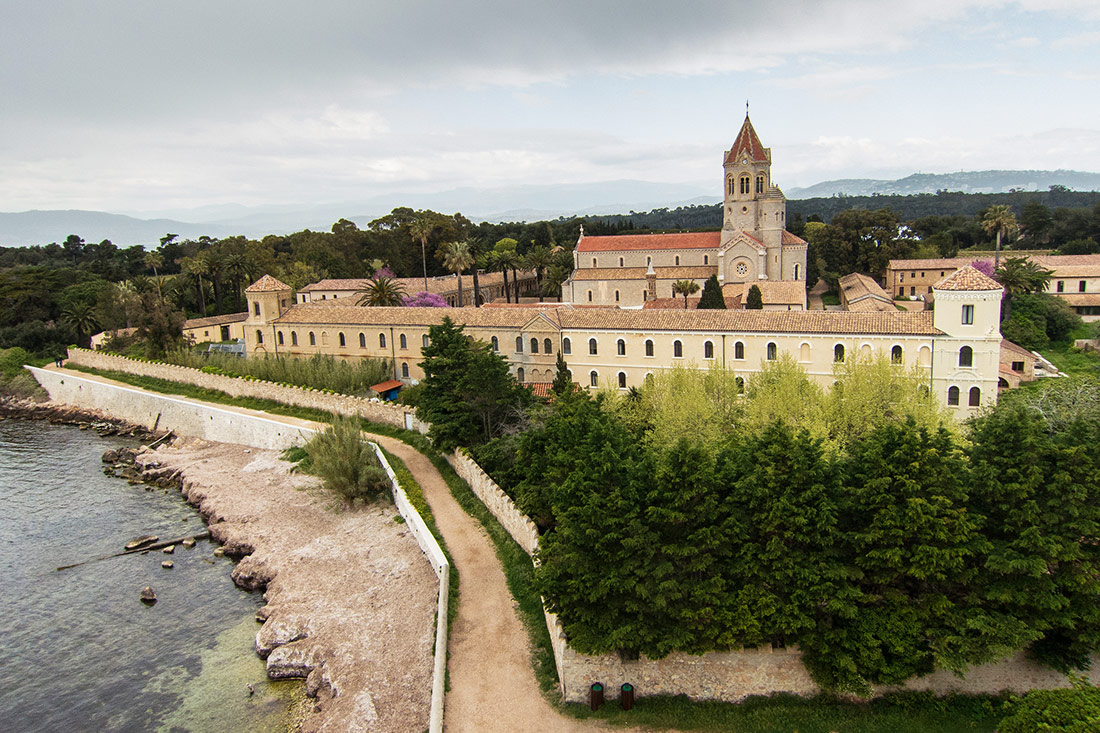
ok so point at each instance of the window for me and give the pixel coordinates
(648, 261)
(622, 380)
(706, 259)
(589, 296)
(896, 354)
(424, 341)
(677, 260)
(255, 309)
(838, 352)
(975, 396)
(534, 346)
(966, 357)
(620, 347)
(677, 349)
(649, 347)
(616, 296)
(293, 338)
(280, 338)
(745, 184)
(594, 378)
(381, 340)
(592, 347)
(1081, 287)
(912, 290)
(494, 343)
(708, 349)
(620, 262)
(312, 339)
(548, 346)
(519, 344)
(796, 271)
(404, 341)
(566, 346)
(405, 370)
(912, 274)
(324, 338)
(740, 382)
(730, 187)
(519, 374)
(259, 337)
(772, 352)
(342, 341)
(901, 277)
(760, 184)
(739, 350)
(953, 396)
(1061, 286)
(804, 352)
(1017, 366)
(968, 315)
(901, 291)
(593, 261)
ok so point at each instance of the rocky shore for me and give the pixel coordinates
(60, 414)
(350, 598)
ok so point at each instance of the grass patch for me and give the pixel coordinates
(830, 298)
(1070, 360)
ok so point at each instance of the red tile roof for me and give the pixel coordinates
(635, 242)
(967, 278)
(788, 238)
(387, 385)
(266, 284)
(748, 144)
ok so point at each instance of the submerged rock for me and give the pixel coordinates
(168, 564)
(148, 597)
(169, 550)
(188, 543)
(138, 542)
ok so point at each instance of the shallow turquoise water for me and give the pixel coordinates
(78, 650)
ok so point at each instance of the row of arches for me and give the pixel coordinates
(974, 397)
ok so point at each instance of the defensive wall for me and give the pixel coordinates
(372, 409)
(728, 676)
(243, 427)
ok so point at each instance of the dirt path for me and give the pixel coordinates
(493, 686)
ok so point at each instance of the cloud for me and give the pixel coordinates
(1078, 40)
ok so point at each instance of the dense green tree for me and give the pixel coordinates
(159, 325)
(563, 380)
(685, 288)
(712, 295)
(754, 301)
(1036, 223)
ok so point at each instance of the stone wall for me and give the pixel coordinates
(371, 409)
(517, 524)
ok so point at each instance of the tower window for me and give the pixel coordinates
(620, 262)
(966, 357)
(760, 184)
(594, 378)
(745, 185)
(968, 315)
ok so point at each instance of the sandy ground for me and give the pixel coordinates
(351, 600)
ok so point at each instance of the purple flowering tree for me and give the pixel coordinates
(983, 266)
(425, 299)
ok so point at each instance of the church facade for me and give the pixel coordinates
(753, 245)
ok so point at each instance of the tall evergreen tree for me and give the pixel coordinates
(712, 295)
(754, 301)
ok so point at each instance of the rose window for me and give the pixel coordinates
(742, 269)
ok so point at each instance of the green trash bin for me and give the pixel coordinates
(626, 696)
(595, 696)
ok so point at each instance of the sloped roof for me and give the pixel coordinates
(266, 284)
(790, 239)
(733, 302)
(680, 272)
(748, 145)
(753, 321)
(328, 315)
(440, 285)
(772, 292)
(1008, 348)
(636, 242)
(967, 278)
(861, 292)
(387, 385)
(215, 320)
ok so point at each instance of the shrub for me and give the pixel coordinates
(345, 462)
(1076, 710)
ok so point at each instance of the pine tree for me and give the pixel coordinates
(712, 295)
(563, 380)
(754, 301)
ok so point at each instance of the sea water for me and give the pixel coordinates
(78, 649)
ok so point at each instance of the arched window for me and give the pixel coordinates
(620, 347)
(293, 338)
(362, 340)
(739, 350)
(566, 346)
(381, 340)
(838, 352)
(804, 352)
(548, 346)
(648, 261)
(706, 259)
(745, 185)
(924, 356)
(519, 375)
(773, 352)
(975, 396)
(896, 354)
(494, 343)
(740, 382)
(259, 336)
(649, 347)
(343, 342)
(404, 341)
(966, 357)
(730, 186)
(534, 346)
(760, 184)
(677, 349)
(708, 349)
(592, 347)
(424, 341)
(313, 339)
(280, 338)
(953, 396)
(324, 338)
(405, 370)
(622, 380)
(519, 344)
(677, 260)
(594, 378)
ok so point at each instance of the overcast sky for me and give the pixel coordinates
(133, 105)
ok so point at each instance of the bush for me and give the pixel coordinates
(1076, 710)
(1028, 332)
(316, 372)
(1055, 316)
(345, 462)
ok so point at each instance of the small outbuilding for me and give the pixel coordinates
(388, 390)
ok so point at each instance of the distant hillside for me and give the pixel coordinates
(44, 227)
(964, 181)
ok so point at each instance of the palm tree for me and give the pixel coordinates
(1001, 221)
(1019, 275)
(539, 259)
(685, 288)
(507, 259)
(238, 268)
(154, 260)
(82, 318)
(457, 256)
(381, 291)
(420, 229)
(197, 266)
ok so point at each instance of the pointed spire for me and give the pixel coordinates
(747, 144)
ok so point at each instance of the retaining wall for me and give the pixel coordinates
(499, 504)
(371, 409)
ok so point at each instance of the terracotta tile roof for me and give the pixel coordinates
(967, 278)
(733, 302)
(215, 320)
(1075, 270)
(753, 321)
(1009, 348)
(788, 239)
(539, 389)
(748, 144)
(772, 292)
(442, 285)
(387, 385)
(682, 272)
(353, 283)
(636, 242)
(1080, 299)
(870, 305)
(857, 288)
(266, 284)
(1054, 262)
(327, 315)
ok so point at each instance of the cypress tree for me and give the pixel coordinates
(754, 301)
(712, 295)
